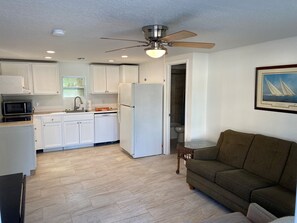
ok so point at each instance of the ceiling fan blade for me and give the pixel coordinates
(124, 48)
(178, 36)
(130, 40)
(192, 44)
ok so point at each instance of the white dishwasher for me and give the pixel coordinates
(106, 127)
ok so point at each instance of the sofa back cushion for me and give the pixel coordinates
(234, 147)
(267, 157)
(288, 178)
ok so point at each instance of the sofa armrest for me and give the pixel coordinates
(257, 214)
(207, 153)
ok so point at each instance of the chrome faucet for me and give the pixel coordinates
(75, 106)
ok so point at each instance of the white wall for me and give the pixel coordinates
(231, 87)
(152, 72)
(196, 82)
(158, 71)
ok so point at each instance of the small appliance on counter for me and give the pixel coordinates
(14, 111)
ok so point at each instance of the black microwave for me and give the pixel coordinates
(17, 108)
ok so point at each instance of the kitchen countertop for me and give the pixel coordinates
(25, 123)
(72, 113)
(20, 123)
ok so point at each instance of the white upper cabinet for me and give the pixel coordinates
(98, 79)
(39, 78)
(104, 79)
(19, 69)
(129, 74)
(45, 79)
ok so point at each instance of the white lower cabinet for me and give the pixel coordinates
(55, 132)
(78, 130)
(52, 132)
(38, 139)
(106, 128)
(87, 131)
(71, 133)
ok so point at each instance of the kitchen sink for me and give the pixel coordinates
(74, 111)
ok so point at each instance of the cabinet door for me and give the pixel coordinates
(128, 74)
(46, 79)
(86, 131)
(71, 133)
(106, 128)
(112, 79)
(52, 135)
(19, 69)
(98, 79)
(38, 133)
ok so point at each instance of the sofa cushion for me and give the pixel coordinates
(267, 157)
(288, 178)
(234, 148)
(241, 182)
(278, 200)
(207, 169)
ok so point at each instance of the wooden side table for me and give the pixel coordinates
(185, 150)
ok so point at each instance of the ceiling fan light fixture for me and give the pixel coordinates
(155, 51)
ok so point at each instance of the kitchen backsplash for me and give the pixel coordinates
(58, 103)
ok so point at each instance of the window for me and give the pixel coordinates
(73, 86)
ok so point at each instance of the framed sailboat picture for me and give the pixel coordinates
(276, 88)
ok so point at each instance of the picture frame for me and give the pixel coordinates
(276, 88)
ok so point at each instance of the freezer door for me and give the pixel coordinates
(126, 94)
(127, 129)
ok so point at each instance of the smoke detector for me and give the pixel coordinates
(58, 32)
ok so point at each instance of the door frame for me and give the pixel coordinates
(167, 101)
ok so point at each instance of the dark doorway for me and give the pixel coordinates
(177, 105)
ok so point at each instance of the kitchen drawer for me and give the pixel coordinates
(80, 117)
(52, 118)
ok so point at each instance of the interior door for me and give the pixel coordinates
(127, 129)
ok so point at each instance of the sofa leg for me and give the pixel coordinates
(191, 187)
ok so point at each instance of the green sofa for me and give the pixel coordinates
(244, 168)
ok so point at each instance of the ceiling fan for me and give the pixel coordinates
(157, 41)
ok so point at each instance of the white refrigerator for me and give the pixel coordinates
(140, 114)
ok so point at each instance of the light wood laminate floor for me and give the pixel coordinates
(104, 184)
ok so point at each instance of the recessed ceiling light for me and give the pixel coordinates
(50, 51)
(48, 57)
(124, 56)
(58, 32)
(110, 61)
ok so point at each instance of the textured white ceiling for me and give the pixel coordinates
(25, 25)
